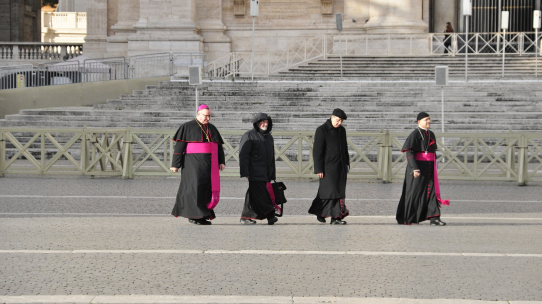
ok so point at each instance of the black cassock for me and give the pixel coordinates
(195, 190)
(418, 200)
(330, 154)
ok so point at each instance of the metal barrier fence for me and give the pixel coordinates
(385, 45)
(92, 70)
(19, 76)
(515, 157)
(165, 64)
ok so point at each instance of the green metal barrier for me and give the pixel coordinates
(373, 155)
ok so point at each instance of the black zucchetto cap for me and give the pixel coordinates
(422, 115)
(339, 113)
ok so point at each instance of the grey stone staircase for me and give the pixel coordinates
(416, 68)
(371, 106)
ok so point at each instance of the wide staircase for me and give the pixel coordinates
(415, 68)
(301, 105)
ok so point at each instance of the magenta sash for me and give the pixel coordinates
(212, 148)
(431, 157)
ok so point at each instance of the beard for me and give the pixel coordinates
(263, 128)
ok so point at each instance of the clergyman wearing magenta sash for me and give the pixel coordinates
(421, 199)
(200, 156)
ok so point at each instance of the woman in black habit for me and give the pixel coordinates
(420, 199)
(257, 164)
(199, 154)
(331, 164)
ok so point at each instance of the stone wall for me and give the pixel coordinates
(20, 20)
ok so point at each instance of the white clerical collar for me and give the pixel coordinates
(423, 128)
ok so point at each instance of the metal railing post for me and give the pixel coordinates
(510, 156)
(380, 155)
(387, 159)
(2, 153)
(389, 40)
(42, 163)
(127, 156)
(325, 46)
(522, 161)
(84, 151)
(299, 155)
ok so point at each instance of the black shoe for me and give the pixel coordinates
(337, 221)
(321, 219)
(247, 221)
(199, 222)
(437, 222)
(205, 222)
(273, 220)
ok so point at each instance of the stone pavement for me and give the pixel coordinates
(107, 240)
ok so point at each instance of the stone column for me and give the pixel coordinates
(128, 15)
(165, 26)
(212, 29)
(396, 16)
(95, 42)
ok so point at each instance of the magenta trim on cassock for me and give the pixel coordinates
(431, 157)
(212, 148)
(272, 194)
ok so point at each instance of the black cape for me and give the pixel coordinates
(330, 154)
(418, 200)
(195, 189)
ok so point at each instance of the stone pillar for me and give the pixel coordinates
(396, 16)
(212, 29)
(95, 42)
(128, 15)
(165, 26)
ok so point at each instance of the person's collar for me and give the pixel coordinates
(329, 125)
(423, 128)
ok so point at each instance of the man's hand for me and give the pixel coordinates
(320, 175)
(222, 167)
(174, 169)
(416, 173)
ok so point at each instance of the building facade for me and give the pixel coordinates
(217, 27)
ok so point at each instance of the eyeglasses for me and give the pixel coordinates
(206, 116)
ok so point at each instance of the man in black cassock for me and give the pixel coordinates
(331, 164)
(257, 164)
(420, 199)
(198, 193)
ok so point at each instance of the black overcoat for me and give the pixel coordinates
(330, 154)
(418, 200)
(257, 152)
